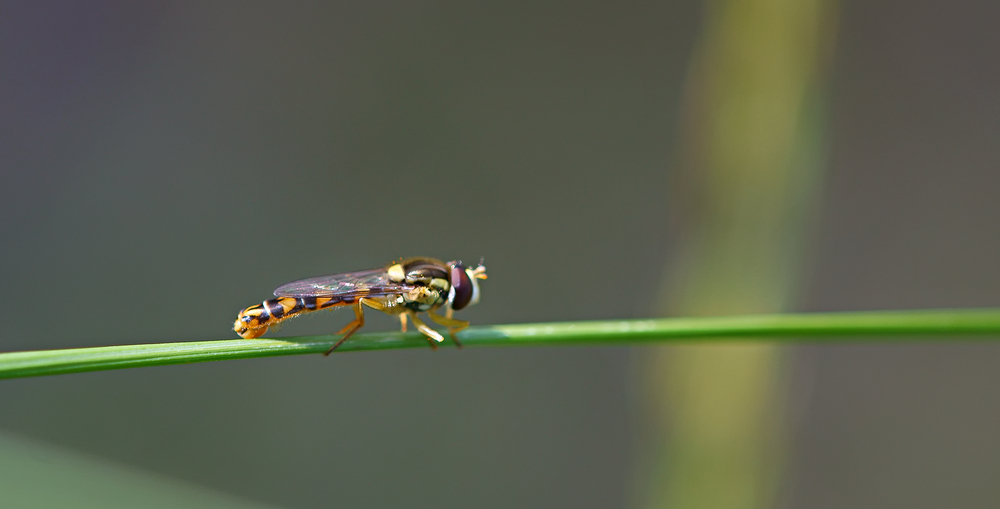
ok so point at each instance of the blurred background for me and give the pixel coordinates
(166, 164)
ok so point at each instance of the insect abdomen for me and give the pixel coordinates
(254, 321)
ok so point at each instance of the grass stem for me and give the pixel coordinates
(798, 328)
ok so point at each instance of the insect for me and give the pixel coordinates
(402, 288)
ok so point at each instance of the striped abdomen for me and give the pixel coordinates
(254, 320)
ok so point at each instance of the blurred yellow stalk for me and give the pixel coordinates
(746, 188)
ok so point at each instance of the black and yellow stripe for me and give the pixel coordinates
(254, 321)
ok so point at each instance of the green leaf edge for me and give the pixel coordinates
(791, 327)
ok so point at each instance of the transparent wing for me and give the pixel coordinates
(373, 282)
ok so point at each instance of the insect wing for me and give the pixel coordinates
(373, 282)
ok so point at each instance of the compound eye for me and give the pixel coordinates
(461, 285)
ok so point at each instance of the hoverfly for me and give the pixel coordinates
(402, 288)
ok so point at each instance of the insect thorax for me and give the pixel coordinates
(430, 278)
(421, 298)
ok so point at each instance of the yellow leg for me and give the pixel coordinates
(454, 326)
(402, 322)
(448, 312)
(374, 304)
(351, 328)
(432, 335)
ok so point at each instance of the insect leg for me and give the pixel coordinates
(454, 326)
(426, 331)
(351, 328)
(380, 305)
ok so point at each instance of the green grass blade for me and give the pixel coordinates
(798, 327)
